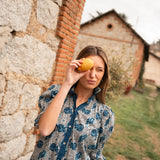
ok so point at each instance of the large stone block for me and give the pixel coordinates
(26, 157)
(11, 99)
(5, 36)
(2, 88)
(28, 56)
(15, 13)
(59, 2)
(30, 94)
(29, 122)
(52, 41)
(11, 126)
(30, 143)
(2, 83)
(3, 63)
(1, 97)
(47, 13)
(12, 149)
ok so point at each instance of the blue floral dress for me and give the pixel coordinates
(80, 132)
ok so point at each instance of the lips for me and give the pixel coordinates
(91, 81)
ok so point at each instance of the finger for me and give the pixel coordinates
(76, 63)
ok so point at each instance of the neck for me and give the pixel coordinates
(83, 93)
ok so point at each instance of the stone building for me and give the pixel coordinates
(152, 67)
(37, 42)
(117, 38)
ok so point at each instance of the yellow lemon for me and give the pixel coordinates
(86, 65)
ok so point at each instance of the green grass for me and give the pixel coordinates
(136, 134)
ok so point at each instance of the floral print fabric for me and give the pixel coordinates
(80, 133)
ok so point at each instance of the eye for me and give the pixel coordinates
(100, 69)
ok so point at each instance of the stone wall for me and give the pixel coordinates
(32, 52)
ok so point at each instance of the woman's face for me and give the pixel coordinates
(94, 76)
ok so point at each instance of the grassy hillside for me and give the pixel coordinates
(136, 134)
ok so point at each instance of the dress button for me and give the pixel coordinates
(69, 126)
(64, 143)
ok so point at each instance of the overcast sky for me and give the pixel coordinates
(143, 15)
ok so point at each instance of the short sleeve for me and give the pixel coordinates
(45, 99)
(105, 132)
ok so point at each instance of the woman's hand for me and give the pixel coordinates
(73, 75)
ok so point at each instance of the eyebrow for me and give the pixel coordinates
(101, 67)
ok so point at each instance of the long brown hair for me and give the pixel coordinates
(94, 50)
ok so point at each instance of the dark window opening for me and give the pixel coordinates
(109, 26)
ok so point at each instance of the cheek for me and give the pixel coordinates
(83, 78)
(100, 76)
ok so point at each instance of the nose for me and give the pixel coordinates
(92, 73)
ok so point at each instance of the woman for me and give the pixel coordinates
(74, 122)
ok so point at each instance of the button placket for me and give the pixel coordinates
(67, 136)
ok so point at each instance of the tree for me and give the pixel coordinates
(123, 16)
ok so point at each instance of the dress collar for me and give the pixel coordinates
(96, 90)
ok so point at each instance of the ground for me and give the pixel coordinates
(136, 133)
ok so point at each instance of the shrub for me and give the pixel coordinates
(121, 61)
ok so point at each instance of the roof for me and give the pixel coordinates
(157, 57)
(146, 45)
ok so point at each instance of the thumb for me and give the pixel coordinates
(82, 73)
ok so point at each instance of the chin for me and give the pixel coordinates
(91, 86)
(88, 86)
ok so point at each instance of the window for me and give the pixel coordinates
(109, 26)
